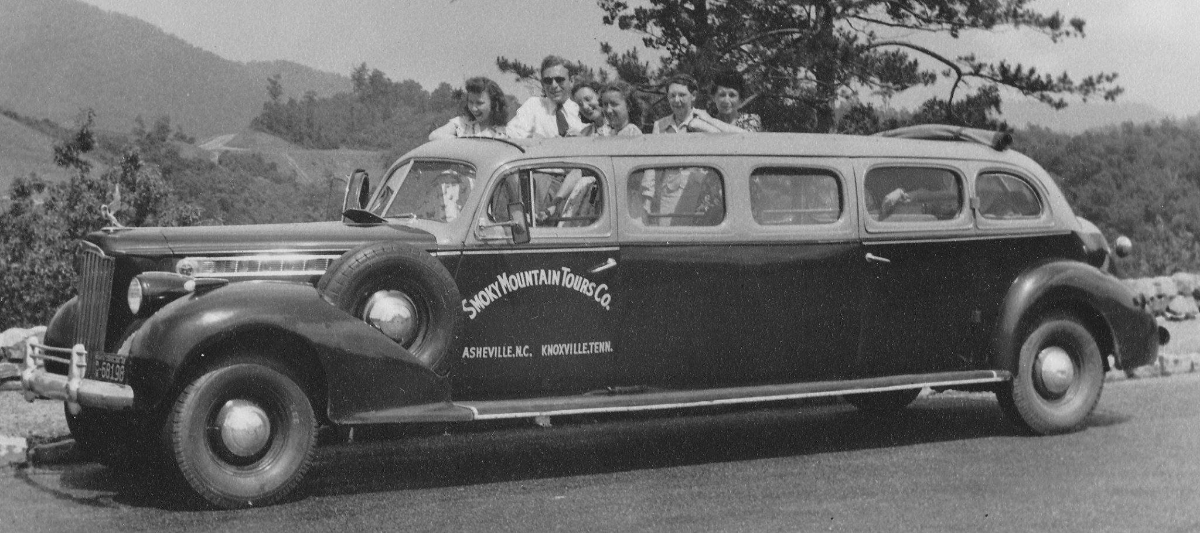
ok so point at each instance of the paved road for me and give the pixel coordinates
(948, 463)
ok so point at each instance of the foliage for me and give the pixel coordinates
(1139, 181)
(379, 114)
(805, 59)
(43, 221)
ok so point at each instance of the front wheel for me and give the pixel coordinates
(1058, 378)
(242, 434)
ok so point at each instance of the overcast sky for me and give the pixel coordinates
(1153, 44)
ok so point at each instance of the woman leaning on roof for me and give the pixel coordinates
(684, 117)
(484, 113)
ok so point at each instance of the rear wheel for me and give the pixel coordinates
(1058, 378)
(242, 434)
(883, 402)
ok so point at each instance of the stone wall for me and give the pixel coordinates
(1172, 297)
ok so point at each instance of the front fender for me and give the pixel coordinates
(1072, 286)
(364, 370)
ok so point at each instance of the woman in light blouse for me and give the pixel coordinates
(684, 118)
(727, 92)
(484, 113)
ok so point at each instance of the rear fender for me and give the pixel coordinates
(1103, 303)
(364, 370)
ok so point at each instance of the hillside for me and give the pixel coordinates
(1077, 118)
(58, 56)
(310, 166)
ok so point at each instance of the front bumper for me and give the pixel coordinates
(72, 388)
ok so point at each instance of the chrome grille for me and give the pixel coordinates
(94, 287)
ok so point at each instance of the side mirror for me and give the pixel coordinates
(358, 190)
(1123, 246)
(520, 228)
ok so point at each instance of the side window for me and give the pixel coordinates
(677, 196)
(794, 196)
(1006, 197)
(558, 197)
(912, 194)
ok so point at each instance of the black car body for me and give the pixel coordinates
(488, 279)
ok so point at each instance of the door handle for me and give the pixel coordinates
(872, 258)
(603, 266)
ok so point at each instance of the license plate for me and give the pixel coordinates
(107, 367)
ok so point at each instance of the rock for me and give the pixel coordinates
(1182, 308)
(12, 341)
(1141, 286)
(1165, 287)
(1158, 305)
(54, 453)
(1185, 283)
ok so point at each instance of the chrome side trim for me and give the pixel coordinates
(259, 266)
(542, 250)
(649, 401)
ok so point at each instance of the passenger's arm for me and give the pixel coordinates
(449, 130)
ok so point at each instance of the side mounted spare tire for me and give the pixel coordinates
(405, 293)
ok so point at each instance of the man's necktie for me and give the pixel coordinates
(561, 117)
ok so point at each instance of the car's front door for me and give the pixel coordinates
(922, 302)
(541, 316)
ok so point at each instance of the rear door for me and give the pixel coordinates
(922, 261)
(541, 316)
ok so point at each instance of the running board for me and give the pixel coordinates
(654, 399)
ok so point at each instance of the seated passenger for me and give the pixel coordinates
(484, 113)
(622, 111)
(587, 96)
(727, 91)
(552, 115)
(684, 118)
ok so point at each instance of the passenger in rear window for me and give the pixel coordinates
(677, 196)
(789, 196)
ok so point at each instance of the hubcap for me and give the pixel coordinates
(245, 427)
(393, 313)
(1055, 370)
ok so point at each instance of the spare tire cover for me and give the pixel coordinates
(395, 266)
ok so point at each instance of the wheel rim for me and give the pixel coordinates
(394, 314)
(243, 430)
(1054, 372)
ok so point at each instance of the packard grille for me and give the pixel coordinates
(95, 290)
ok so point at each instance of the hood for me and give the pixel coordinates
(300, 237)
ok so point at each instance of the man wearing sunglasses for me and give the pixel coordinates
(552, 115)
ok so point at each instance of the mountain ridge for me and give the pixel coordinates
(60, 56)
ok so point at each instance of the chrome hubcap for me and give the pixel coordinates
(245, 427)
(1055, 370)
(393, 313)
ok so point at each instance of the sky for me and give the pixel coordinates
(1153, 44)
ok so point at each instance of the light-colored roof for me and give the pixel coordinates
(483, 151)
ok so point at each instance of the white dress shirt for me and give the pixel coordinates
(536, 118)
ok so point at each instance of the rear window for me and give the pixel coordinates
(677, 196)
(1006, 197)
(913, 194)
(794, 197)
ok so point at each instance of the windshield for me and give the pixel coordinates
(428, 190)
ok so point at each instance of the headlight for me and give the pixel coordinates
(149, 291)
(134, 295)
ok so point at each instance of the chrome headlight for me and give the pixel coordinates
(134, 295)
(149, 291)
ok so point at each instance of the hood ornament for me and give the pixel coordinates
(109, 211)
